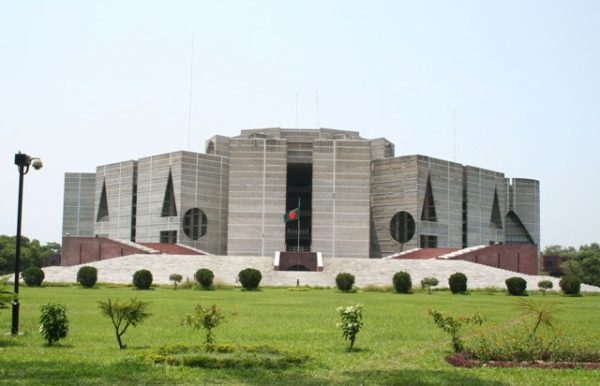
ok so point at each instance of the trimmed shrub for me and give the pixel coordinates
(545, 285)
(344, 281)
(570, 285)
(458, 283)
(429, 282)
(205, 277)
(402, 282)
(250, 278)
(87, 276)
(142, 279)
(175, 278)
(33, 276)
(516, 286)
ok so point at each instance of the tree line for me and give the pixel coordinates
(583, 262)
(33, 253)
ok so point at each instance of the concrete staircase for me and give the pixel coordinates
(367, 271)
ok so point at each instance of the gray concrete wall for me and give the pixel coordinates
(393, 189)
(78, 204)
(257, 193)
(525, 202)
(447, 188)
(480, 186)
(341, 197)
(119, 179)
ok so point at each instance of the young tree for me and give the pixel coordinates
(175, 278)
(207, 319)
(124, 315)
(351, 322)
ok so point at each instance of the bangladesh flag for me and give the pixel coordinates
(292, 215)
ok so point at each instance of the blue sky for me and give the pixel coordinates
(85, 83)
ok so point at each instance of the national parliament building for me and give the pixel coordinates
(356, 198)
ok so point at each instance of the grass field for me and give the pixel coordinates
(399, 343)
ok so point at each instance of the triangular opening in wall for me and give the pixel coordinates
(428, 212)
(496, 218)
(103, 206)
(515, 232)
(169, 207)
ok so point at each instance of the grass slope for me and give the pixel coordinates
(398, 345)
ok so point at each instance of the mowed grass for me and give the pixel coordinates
(399, 343)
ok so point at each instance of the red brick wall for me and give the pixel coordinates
(81, 250)
(512, 257)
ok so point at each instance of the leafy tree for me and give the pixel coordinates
(124, 315)
(429, 282)
(33, 253)
(5, 296)
(175, 278)
(545, 285)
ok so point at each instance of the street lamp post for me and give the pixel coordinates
(23, 161)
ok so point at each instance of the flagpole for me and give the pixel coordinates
(298, 224)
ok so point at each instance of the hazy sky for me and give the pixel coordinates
(86, 83)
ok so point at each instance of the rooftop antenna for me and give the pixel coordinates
(296, 110)
(317, 102)
(454, 134)
(190, 106)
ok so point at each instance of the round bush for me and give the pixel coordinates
(344, 281)
(205, 277)
(458, 283)
(142, 279)
(402, 282)
(33, 276)
(516, 285)
(570, 285)
(87, 276)
(250, 278)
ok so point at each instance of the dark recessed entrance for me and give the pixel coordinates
(299, 190)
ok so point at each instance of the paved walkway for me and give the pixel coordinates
(367, 271)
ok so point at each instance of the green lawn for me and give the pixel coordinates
(398, 345)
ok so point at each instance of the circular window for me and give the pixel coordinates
(402, 227)
(194, 223)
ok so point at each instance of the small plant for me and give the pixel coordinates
(142, 279)
(344, 281)
(175, 278)
(542, 314)
(250, 278)
(545, 285)
(570, 285)
(516, 286)
(453, 326)
(33, 276)
(429, 282)
(87, 276)
(402, 282)
(458, 283)
(351, 322)
(124, 315)
(205, 277)
(207, 319)
(54, 324)
(5, 296)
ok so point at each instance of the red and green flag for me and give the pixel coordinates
(292, 215)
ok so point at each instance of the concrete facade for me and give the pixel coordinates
(357, 199)
(78, 206)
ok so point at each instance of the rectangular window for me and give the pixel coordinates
(428, 241)
(168, 237)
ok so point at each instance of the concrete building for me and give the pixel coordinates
(356, 198)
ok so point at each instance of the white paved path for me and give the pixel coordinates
(366, 271)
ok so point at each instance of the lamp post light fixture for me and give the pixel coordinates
(23, 162)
